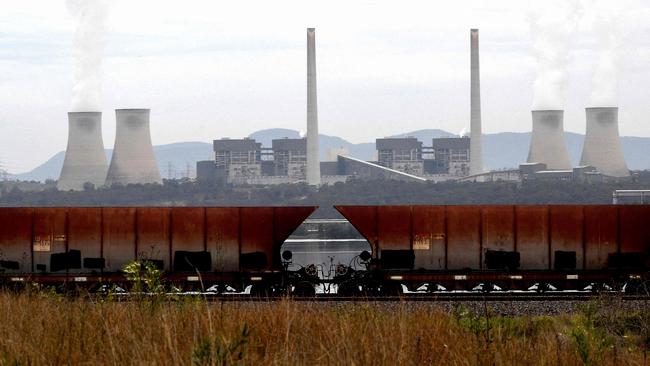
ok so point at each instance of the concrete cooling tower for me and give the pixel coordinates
(313, 162)
(602, 148)
(547, 144)
(133, 161)
(85, 160)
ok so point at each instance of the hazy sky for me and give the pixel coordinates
(211, 69)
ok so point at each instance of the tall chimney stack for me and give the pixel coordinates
(475, 148)
(548, 144)
(133, 161)
(85, 160)
(602, 148)
(313, 161)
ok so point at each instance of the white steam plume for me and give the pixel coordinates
(607, 25)
(552, 26)
(90, 39)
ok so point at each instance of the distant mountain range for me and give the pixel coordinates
(500, 151)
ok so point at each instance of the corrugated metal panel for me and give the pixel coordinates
(531, 223)
(464, 237)
(188, 229)
(50, 235)
(85, 232)
(16, 239)
(257, 232)
(601, 230)
(119, 237)
(152, 237)
(394, 227)
(429, 237)
(635, 228)
(223, 238)
(566, 232)
(498, 228)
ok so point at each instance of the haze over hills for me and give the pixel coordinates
(501, 150)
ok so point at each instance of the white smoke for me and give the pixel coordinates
(607, 25)
(90, 39)
(464, 132)
(552, 26)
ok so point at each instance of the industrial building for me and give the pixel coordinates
(245, 161)
(402, 154)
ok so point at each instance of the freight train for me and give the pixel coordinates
(419, 248)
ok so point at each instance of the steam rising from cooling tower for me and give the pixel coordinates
(607, 25)
(90, 40)
(85, 161)
(552, 27)
(313, 164)
(475, 149)
(547, 143)
(602, 148)
(133, 160)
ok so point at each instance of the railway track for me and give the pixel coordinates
(441, 297)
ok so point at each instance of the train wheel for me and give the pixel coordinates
(304, 289)
(392, 289)
(348, 289)
(260, 290)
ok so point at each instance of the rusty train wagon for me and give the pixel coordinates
(236, 246)
(507, 247)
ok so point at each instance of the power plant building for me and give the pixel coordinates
(245, 161)
(401, 154)
(290, 158)
(452, 156)
(238, 159)
(85, 159)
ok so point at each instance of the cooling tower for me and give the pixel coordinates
(547, 144)
(85, 160)
(313, 164)
(133, 161)
(602, 148)
(475, 149)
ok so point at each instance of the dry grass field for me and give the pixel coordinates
(44, 328)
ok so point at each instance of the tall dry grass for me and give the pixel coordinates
(38, 328)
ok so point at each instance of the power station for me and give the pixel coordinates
(246, 161)
(133, 161)
(85, 160)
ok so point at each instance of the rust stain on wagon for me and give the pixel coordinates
(104, 239)
(456, 237)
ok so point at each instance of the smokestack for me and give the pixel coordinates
(475, 149)
(547, 144)
(313, 163)
(133, 161)
(602, 148)
(85, 160)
